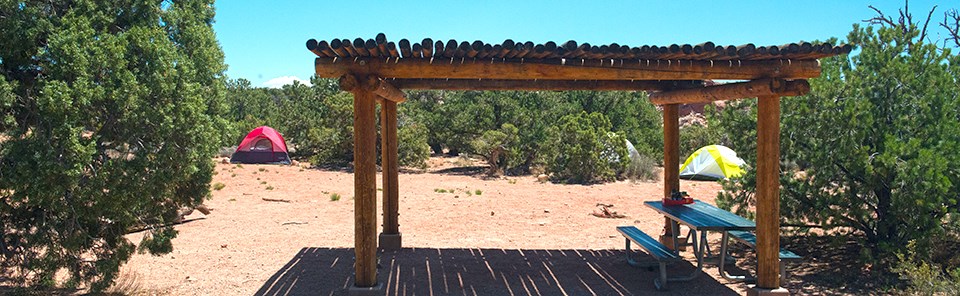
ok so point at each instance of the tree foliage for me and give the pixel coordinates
(109, 118)
(582, 149)
(316, 120)
(470, 122)
(873, 147)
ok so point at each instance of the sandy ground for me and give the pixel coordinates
(507, 236)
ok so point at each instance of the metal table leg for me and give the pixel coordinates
(723, 259)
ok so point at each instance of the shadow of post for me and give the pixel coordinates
(431, 271)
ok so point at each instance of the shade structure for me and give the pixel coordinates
(262, 145)
(713, 162)
(377, 70)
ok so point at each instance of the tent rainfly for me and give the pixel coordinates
(713, 162)
(262, 145)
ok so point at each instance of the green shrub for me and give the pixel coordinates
(871, 147)
(412, 148)
(334, 196)
(695, 136)
(109, 114)
(926, 278)
(581, 149)
(219, 186)
(498, 148)
(642, 168)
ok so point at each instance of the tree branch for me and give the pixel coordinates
(923, 32)
(951, 22)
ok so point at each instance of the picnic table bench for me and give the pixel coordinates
(750, 239)
(658, 251)
(700, 218)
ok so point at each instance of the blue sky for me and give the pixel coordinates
(264, 40)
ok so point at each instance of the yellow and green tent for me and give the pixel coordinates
(712, 162)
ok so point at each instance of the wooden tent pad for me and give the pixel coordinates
(376, 70)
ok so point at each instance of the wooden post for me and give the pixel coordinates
(365, 182)
(671, 162)
(390, 238)
(768, 192)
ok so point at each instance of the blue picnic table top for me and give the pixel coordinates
(702, 216)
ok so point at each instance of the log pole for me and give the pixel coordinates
(390, 238)
(540, 85)
(557, 69)
(732, 91)
(768, 192)
(365, 184)
(385, 90)
(671, 163)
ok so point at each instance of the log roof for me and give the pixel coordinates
(509, 49)
(514, 65)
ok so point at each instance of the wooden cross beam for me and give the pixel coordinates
(732, 91)
(507, 69)
(379, 87)
(543, 85)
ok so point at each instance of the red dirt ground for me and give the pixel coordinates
(507, 236)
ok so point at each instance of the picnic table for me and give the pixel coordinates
(702, 217)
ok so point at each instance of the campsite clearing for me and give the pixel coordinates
(248, 243)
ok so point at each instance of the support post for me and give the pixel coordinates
(768, 197)
(365, 184)
(671, 163)
(390, 238)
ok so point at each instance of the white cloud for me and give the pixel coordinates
(284, 80)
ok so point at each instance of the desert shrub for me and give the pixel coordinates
(871, 142)
(498, 148)
(926, 277)
(581, 149)
(334, 196)
(456, 121)
(412, 147)
(630, 114)
(642, 168)
(695, 136)
(111, 112)
(218, 186)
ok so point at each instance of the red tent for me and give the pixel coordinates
(262, 145)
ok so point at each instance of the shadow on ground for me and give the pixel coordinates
(463, 171)
(429, 271)
(831, 266)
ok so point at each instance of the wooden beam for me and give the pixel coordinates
(671, 163)
(556, 69)
(365, 184)
(768, 192)
(550, 85)
(390, 238)
(732, 91)
(349, 83)
(383, 89)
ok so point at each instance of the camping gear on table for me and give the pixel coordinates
(712, 162)
(262, 145)
(677, 198)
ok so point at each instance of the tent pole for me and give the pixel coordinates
(671, 163)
